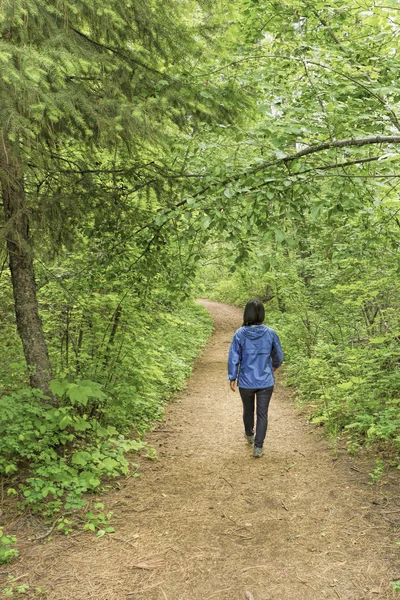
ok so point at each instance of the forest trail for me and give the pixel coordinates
(208, 521)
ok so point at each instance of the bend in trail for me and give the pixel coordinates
(207, 520)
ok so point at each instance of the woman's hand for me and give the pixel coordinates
(233, 385)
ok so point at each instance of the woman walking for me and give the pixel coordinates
(255, 353)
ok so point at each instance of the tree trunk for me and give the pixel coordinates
(116, 319)
(19, 246)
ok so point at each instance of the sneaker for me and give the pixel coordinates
(249, 438)
(257, 452)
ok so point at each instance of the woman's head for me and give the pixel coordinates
(254, 313)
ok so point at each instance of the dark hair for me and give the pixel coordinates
(254, 313)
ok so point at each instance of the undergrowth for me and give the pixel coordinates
(53, 453)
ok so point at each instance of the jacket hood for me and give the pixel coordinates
(254, 332)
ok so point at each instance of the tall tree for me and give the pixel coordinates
(21, 266)
(79, 78)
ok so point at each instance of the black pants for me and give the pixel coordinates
(263, 397)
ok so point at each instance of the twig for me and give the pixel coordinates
(228, 482)
(305, 583)
(298, 451)
(20, 577)
(396, 523)
(165, 431)
(49, 531)
(149, 565)
(351, 518)
(240, 535)
(133, 473)
(112, 537)
(284, 506)
(164, 594)
(150, 587)
(219, 591)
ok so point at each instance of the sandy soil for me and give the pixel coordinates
(207, 520)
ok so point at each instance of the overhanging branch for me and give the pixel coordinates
(288, 57)
(314, 149)
(118, 53)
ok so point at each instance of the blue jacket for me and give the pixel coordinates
(256, 349)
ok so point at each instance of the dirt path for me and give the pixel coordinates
(207, 520)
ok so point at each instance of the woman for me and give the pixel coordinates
(255, 353)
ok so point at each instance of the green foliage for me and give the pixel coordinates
(395, 585)
(7, 552)
(138, 361)
(35, 432)
(98, 523)
(15, 589)
(71, 448)
(21, 589)
(377, 474)
(64, 525)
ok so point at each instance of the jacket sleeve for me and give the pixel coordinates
(276, 352)
(234, 358)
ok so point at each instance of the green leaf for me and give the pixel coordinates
(378, 340)
(346, 385)
(80, 424)
(109, 464)
(160, 220)
(65, 421)
(59, 387)
(81, 458)
(78, 394)
(205, 222)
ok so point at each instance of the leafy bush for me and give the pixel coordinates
(7, 553)
(71, 447)
(67, 453)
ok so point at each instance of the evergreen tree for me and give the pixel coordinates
(78, 80)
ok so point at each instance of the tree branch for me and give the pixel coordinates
(348, 163)
(118, 53)
(320, 101)
(314, 149)
(391, 113)
(329, 30)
